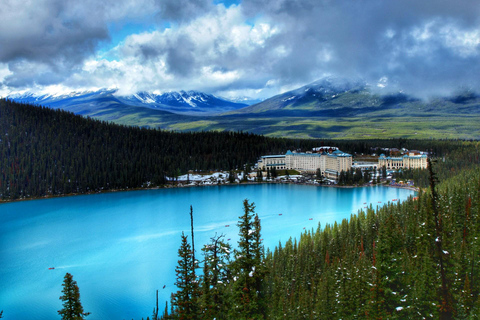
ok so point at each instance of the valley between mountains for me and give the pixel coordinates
(328, 108)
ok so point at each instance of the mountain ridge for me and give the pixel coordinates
(182, 102)
(327, 108)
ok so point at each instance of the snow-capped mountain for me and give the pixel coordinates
(83, 102)
(188, 102)
(54, 98)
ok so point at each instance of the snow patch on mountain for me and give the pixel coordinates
(182, 102)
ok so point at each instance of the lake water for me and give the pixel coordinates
(121, 247)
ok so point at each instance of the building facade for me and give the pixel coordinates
(337, 162)
(408, 161)
(276, 161)
(330, 164)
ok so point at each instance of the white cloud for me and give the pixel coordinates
(4, 71)
(465, 43)
(221, 45)
(240, 48)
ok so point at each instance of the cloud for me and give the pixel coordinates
(258, 47)
(213, 52)
(422, 46)
(49, 30)
(58, 35)
(182, 10)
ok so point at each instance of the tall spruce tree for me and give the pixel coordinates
(248, 268)
(72, 307)
(216, 276)
(185, 300)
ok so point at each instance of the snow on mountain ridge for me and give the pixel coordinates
(181, 102)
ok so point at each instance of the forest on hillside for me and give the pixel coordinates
(419, 259)
(54, 152)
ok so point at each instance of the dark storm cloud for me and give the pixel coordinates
(410, 42)
(49, 31)
(57, 35)
(22, 76)
(50, 34)
(181, 57)
(182, 10)
(424, 47)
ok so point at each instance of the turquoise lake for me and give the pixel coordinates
(121, 247)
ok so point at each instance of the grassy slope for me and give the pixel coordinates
(348, 115)
(348, 128)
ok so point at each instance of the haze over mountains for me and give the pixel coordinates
(330, 107)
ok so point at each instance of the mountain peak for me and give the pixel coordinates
(181, 102)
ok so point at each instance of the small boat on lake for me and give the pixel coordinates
(51, 268)
(227, 225)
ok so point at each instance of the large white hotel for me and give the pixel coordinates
(330, 164)
(412, 160)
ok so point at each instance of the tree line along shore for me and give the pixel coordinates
(415, 259)
(46, 152)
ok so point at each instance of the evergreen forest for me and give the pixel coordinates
(46, 152)
(419, 259)
(54, 152)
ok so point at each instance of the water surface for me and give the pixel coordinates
(121, 247)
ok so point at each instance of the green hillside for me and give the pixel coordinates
(328, 108)
(312, 112)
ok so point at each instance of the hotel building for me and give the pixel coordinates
(330, 164)
(409, 161)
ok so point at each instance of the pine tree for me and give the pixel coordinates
(249, 267)
(72, 307)
(185, 300)
(216, 276)
(259, 175)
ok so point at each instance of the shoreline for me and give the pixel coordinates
(168, 186)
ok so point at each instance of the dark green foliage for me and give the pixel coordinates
(259, 175)
(417, 259)
(52, 152)
(248, 268)
(273, 172)
(227, 289)
(413, 260)
(72, 307)
(185, 299)
(216, 277)
(231, 176)
(353, 177)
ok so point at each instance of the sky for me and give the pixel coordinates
(234, 48)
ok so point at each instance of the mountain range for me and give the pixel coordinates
(330, 107)
(182, 102)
